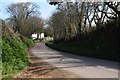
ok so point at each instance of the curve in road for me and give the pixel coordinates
(78, 65)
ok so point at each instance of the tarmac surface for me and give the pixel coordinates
(78, 65)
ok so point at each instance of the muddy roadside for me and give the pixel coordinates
(40, 69)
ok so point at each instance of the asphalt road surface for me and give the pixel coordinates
(78, 65)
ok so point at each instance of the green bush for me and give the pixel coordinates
(28, 42)
(14, 54)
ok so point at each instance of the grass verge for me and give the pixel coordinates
(83, 49)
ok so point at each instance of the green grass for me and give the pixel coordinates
(83, 48)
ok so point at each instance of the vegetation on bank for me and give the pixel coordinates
(14, 52)
(83, 49)
(102, 43)
(24, 20)
(87, 29)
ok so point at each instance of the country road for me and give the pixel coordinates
(78, 65)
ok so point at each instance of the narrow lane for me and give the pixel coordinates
(78, 65)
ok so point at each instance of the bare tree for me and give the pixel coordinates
(33, 24)
(20, 12)
(80, 17)
(114, 6)
(99, 17)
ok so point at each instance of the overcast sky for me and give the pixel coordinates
(45, 9)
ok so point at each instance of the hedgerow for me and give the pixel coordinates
(14, 54)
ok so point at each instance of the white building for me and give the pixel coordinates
(41, 36)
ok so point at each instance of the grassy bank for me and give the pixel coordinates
(82, 48)
(14, 55)
(14, 52)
